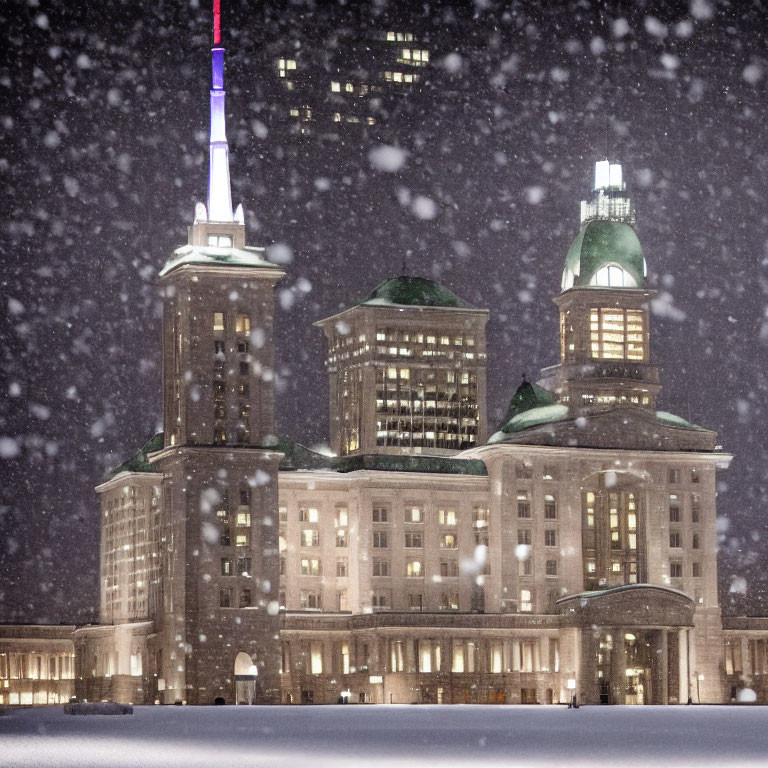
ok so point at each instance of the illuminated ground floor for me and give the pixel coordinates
(633, 645)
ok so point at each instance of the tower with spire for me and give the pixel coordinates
(219, 543)
(605, 357)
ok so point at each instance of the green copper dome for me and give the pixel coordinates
(605, 254)
(413, 292)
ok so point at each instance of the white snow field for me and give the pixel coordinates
(341, 736)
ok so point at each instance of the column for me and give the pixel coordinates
(618, 667)
(682, 644)
(664, 667)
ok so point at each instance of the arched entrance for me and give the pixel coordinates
(246, 676)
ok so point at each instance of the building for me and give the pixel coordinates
(571, 552)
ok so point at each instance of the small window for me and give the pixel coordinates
(380, 514)
(524, 567)
(380, 540)
(675, 540)
(414, 539)
(341, 537)
(245, 598)
(551, 568)
(243, 324)
(524, 536)
(218, 347)
(673, 476)
(226, 566)
(413, 568)
(342, 567)
(225, 597)
(696, 542)
(414, 515)
(243, 368)
(310, 537)
(526, 601)
(674, 509)
(695, 508)
(550, 508)
(696, 570)
(245, 497)
(523, 505)
(695, 476)
(550, 538)
(308, 515)
(676, 570)
(218, 321)
(242, 347)
(449, 541)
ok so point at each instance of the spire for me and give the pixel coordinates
(219, 190)
(609, 197)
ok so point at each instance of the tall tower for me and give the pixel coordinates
(406, 370)
(604, 307)
(218, 621)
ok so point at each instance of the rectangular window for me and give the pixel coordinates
(551, 568)
(446, 517)
(242, 324)
(413, 568)
(673, 476)
(380, 568)
(342, 567)
(243, 565)
(414, 539)
(308, 515)
(311, 567)
(380, 539)
(524, 471)
(526, 601)
(218, 321)
(696, 542)
(617, 334)
(695, 508)
(449, 568)
(550, 538)
(226, 566)
(524, 536)
(524, 567)
(380, 514)
(310, 537)
(674, 508)
(225, 597)
(244, 519)
(695, 476)
(696, 570)
(218, 347)
(448, 541)
(242, 540)
(245, 598)
(341, 537)
(550, 507)
(415, 601)
(523, 504)
(676, 570)
(480, 517)
(449, 601)
(414, 515)
(675, 539)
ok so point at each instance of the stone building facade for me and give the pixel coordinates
(572, 552)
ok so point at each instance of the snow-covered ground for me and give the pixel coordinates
(342, 736)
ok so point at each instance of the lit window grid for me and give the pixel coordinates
(617, 334)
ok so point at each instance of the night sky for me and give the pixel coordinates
(103, 153)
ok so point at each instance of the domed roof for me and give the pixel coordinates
(605, 254)
(413, 292)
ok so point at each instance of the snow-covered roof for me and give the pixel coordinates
(209, 254)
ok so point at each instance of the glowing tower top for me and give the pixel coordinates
(609, 197)
(219, 208)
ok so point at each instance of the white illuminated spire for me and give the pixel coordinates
(609, 198)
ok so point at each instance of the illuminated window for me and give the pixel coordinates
(448, 541)
(311, 567)
(220, 241)
(617, 334)
(244, 519)
(243, 324)
(308, 515)
(591, 567)
(480, 517)
(446, 517)
(613, 276)
(218, 321)
(310, 537)
(414, 515)
(241, 540)
(526, 601)
(226, 566)
(336, 87)
(616, 567)
(413, 568)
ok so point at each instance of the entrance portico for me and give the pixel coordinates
(634, 644)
